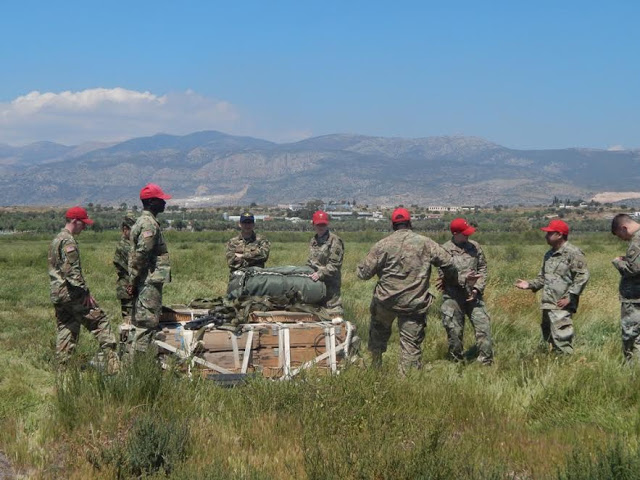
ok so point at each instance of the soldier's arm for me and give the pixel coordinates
(72, 269)
(629, 265)
(230, 254)
(121, 262)
(482, 270)
(142, 245)
(261, 254)
(370, 266)
(334, 263)
(442, 259)
(538, 282)
(580, 274)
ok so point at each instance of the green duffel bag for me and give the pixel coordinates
(276, 282)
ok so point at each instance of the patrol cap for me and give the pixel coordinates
(460, 225)
(320, 218)
(78, 213)
(247, 217)
(557, 226)
(151, 190)
(128, 220)
(400, 215)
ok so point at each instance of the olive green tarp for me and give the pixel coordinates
(277, 282)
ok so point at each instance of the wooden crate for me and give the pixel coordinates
(222, 341)
(181, 314)
(277, 316)
(273, 349)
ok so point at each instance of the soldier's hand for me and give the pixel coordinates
(473, 295)
(89, 301)
(563, 302)
(440, 284)
(618, 259)
(315, 276)
(131, 290)
(239, 255)
(472, 278)
(522, 284)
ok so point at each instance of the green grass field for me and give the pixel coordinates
(529, 416)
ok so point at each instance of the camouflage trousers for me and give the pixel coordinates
(453, 315)
(333, 301)
(557, 330)
(630, 324)
(126, 307)
(70, 317)
(411, 330)
(145, 317)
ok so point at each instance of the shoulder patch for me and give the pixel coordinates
(147, 233)
(69, 248)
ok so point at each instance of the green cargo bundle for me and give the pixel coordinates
(277, 282)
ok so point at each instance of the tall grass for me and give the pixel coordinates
(531, 415)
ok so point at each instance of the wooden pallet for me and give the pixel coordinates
(275, 350)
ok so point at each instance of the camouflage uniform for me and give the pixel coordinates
(254, 250)
(325, 257)
(629, 290)
(563, 274)
(467, 258)
(121, 262)
(149, 270)
(68, 294)
(402, 261)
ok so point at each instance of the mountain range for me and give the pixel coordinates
(213, 168)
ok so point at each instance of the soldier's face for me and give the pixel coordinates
(247, 228)
(126, 231)
(321, 229)
(460, 238)
(77, 226)
(553, 238)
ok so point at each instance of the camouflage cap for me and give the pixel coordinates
(128, 220)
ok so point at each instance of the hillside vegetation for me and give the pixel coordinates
(222, 169)
(531, 415)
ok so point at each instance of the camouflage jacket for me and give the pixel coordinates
(254, 250)
(149, 257)
(65, 271)
(563, 274)
(402, 261)
(467, 258)
(629, 268)
(325, 257)
(121, 262)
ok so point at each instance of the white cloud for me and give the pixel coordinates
(616, 148)
(111, 114)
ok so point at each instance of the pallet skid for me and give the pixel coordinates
(273, 349)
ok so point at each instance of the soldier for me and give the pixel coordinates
(326, 251)
(402, 261)
(247, 249)
(121, 262)
(149, 268)
(74, 305)
(460, 299)
(562, 278)
(625, 228)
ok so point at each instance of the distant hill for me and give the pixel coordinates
(211, 167)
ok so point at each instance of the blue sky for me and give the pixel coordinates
(521, 74)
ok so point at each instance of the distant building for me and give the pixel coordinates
(440, 208)
(236, 218)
